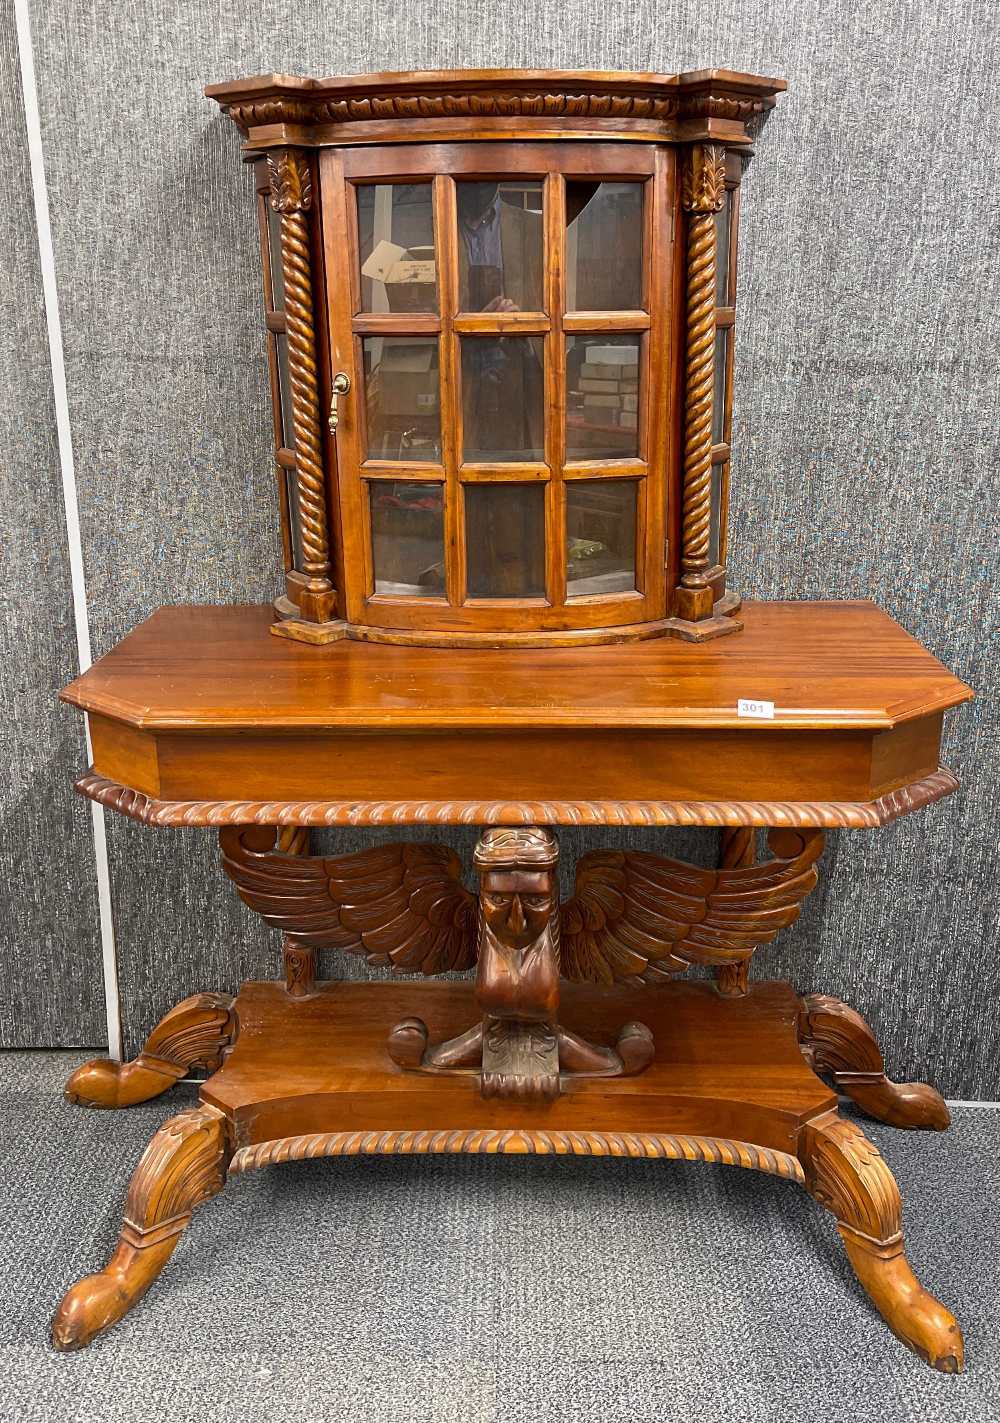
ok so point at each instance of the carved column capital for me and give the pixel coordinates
(291, 180)
(703, 187)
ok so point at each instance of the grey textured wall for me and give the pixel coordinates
(50, 958)
(865, 408)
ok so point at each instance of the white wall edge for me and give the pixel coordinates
(46, 256)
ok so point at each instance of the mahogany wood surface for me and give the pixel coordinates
(278, 108)
(199, 704)
(722, 1067)
(824, 665)
(312, 1077)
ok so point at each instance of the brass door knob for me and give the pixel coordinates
(341, 386)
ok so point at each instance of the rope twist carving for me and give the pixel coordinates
(291, 196)
(703, 195)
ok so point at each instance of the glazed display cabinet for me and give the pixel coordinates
(500, 310)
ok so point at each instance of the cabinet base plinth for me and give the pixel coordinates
(292, 625)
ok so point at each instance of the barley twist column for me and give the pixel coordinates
(702, 195)
(292, 197)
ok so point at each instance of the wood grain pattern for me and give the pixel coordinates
(823, 665)
(194, 1034)
(796, 815)
(183, 1165)
(722, 1068)
(838, 1043)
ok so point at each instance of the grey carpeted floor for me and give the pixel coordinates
(459, 1290)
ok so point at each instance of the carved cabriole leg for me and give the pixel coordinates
(839, 1043)
(845, 1173)
(194, 1034)
(314, 617)
(702, 195)
(739, 848)
(183, 1165)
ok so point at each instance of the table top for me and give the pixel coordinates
(837, 665)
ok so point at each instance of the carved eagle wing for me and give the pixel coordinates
(402, 906)
(637, 917)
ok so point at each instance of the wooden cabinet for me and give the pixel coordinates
(499, 308)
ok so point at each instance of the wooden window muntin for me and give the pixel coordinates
(553, 163)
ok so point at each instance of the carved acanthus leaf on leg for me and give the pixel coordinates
(839, 1044)
(183, 1165)
(195, 1034)
(845, 1172)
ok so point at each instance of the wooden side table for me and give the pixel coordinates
(578, 1035)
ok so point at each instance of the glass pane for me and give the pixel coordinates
(600, 536)
(502, 398)
(715, 528)
(505, 540)
(402, 398)
(723, 221)
(500, 246)
(285, 386)
(407, 537)
(396, 246)
(295, 523)
(603, 246)
(274, 250)
(719, 394)
(602, 397)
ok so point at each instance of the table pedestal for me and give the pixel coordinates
(731, 1082)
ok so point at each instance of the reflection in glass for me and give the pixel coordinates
(719, 394)
(407, 537)
(402, 397)
(603, 246)
(600, 536)
(723, 222)
(285, 387)
(294, 521)
(396, 247)
(602, 397)
(500, 246)
(274, 252)
(505, 540)
(502, 398)
(715, 527)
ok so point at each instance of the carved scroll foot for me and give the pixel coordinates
(845, 1173)
(408, 1048)
(183, 1165)
(632, 1053)
(522, 1061)
(839, 1044)
(194, 1034)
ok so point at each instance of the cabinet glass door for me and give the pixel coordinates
(501, 311)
